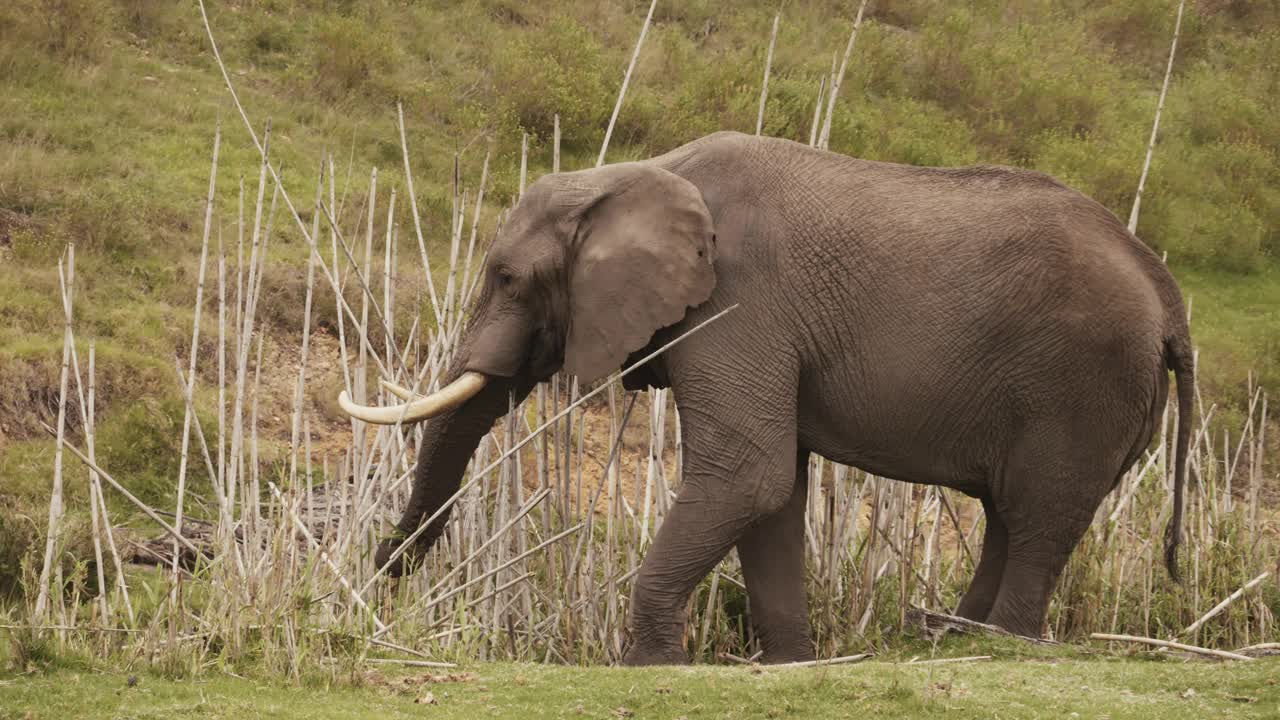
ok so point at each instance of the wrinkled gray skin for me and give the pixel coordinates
(981, 328)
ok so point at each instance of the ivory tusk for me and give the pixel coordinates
(399, 391)
(447, 398)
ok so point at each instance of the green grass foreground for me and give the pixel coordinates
(1061, 684)
(1021, 681)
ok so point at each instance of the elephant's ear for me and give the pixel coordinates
(643, 253)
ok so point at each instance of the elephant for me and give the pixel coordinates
(981, 328)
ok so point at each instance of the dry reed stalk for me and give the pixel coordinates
(67, 280)
(1209, 652)
(244, 330)
(417, 222)
(220, 481)
(626, 80)
(324, 557)
(1223, 605)
(764, 83)
(62, 442)
(817, 113)
(522, 556)
(94, 489)
(837, 79)
(946, 661)
(1155, 125)
(845, 660)
(97, 502)
(299, 388)
(189, 389)
(410, 663)
(388, 283)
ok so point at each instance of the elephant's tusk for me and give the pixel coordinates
(399, 391)
(447, 398)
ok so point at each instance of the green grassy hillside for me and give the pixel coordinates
(108, 110)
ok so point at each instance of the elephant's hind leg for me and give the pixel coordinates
(1051, 489)
(772, 555)
(981, 596)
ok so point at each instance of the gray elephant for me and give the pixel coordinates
(982, 328)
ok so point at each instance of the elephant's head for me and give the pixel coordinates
(588, 267)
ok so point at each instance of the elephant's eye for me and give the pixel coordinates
(505, 279)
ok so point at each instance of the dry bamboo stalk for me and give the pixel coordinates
(944, 661)
(413, 207)
(363, 272)
(324, 557)
(189, 389)
(55, 498)
(475, 225)
(244, 303)
(122, 585)
(239, 268)
(817, 113)
(410, 663)
(1155, 125)
(255, 487)
(768, 64)
(220, 483)
(626, 80)
(845, 660)
(531, 551)
(300, 386)
(734, 658)
(524, 162)
(94, 490)
(1223, 605)
(128, 495)
(1223, 654)
(824, 141)
(493, 538)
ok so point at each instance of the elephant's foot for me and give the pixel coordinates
(790, 654)
(1025, 623)
(641, 654)
(1023, 600)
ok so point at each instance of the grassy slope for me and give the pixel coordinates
(108, 109)
(1055, 685)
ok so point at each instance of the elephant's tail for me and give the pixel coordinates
(1181, 360)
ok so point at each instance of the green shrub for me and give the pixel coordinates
(142, 444)
(559, 68)
(350, 55)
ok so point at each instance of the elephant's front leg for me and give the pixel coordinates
(739, 467)
(772, 555)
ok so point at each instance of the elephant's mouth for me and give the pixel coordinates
(416, 408)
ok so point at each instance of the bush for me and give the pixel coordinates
(350, 56)
(560, 68)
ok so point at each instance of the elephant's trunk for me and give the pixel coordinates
(448, 442)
